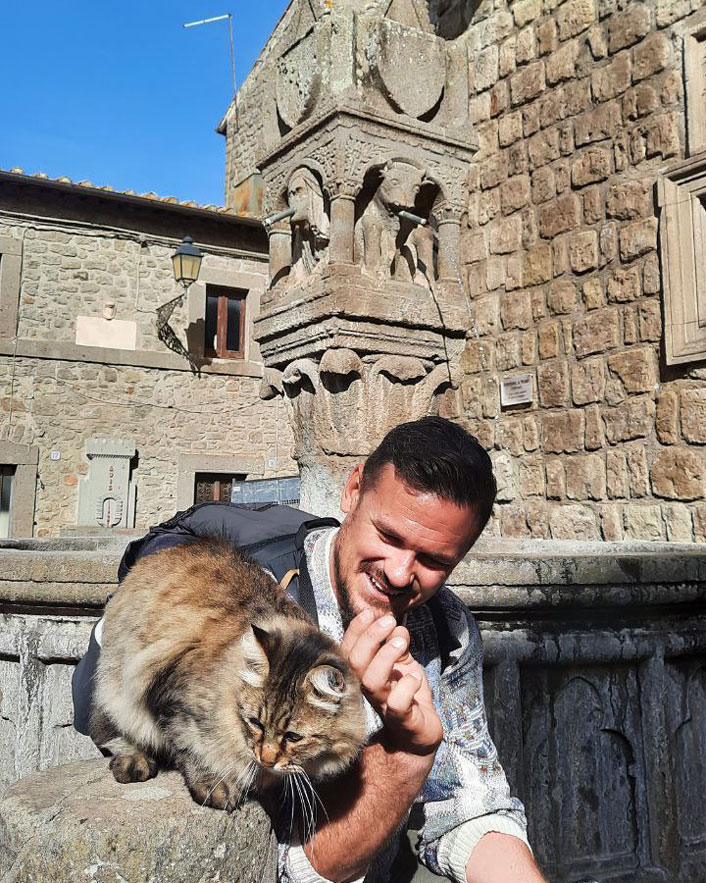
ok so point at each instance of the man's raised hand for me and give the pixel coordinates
(393, 682)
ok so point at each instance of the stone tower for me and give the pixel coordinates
(355, 123)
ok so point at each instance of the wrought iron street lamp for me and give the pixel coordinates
(186, 261)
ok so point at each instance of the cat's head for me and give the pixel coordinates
(299, 705)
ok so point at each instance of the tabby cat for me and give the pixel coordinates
(208, 667)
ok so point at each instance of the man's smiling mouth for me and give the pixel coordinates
(384, 589)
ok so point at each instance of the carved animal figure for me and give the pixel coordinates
(390, 246)
(208, 667)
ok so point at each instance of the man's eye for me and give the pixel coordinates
(293, 737)
(256, 723)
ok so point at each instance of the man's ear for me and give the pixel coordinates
(351, 492)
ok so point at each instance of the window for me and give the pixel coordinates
(214, 487)
(225, 322)
(7, 481)
(267, 490)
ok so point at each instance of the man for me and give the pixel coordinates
(412, 512)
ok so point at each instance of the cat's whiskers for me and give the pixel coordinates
(248, 775)
(314, 791)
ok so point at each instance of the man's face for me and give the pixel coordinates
(397, 545)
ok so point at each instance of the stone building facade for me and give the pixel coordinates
(585, 182)
(82, 273)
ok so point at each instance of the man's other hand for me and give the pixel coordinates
(377, 650)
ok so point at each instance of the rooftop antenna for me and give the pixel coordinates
(207, 21)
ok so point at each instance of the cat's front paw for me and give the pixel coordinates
(217, 793)
(133, 767)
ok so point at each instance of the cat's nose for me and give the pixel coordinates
(268, 754)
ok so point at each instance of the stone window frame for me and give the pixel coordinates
(252, 283)
(189, 464)
(694, 34)
(10, 281)
(681, 194)
(25, 459)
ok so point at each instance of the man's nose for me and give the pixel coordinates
(400, 569)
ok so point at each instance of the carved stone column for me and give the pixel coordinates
(280, 237)
(449, 231)
(342, 223)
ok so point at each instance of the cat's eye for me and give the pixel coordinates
(293, 737)
(256, 723)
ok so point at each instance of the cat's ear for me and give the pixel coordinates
(328, 687)
(255, 663)
(267, 640)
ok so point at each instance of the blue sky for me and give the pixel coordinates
(121, 93)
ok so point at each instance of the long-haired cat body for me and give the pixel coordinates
(208, 667)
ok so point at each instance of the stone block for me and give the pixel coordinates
(560, 215)
(596, 332)
(515, 193)
(543, 184)
(643, 523)
(630, 420)
(651, 57)
(505, 235)
(613, 79)
(594, 437)
(591, 165)
(593, 294)
(575, 16)
(585, 477)
(505, 477)
(474, 246)
(562, 297)
(583, 251)
(556, 480)
(672, 88)
(636, 369)
(510, 128)
(75, 822)
(628, 27)
(508, 436)
(527, 83)
(493, 171)
(628, 200)
(537, 267)
(516, 310)
(553, 384)
(651, 277)
(486, 68)
(563, 433)
(699, 520)
(638, 238)
(548, 340)
(662, 136)
(592, 205)
(561, 64)
(617, 480)
(637, 470)
(573, 523)
(526, 46)
(532, 483)
(494, 273)
(677, 520)
(678, 474)
(611, 523)
(513, 278)
(528, 347)
(693, 415)
(486, 312)
(640, 101)
(649, 320)
(526, 11)
(608, 242)
(588, 381)
(530, 433)
(499, 99)
(597, 42)
(507, 351)
(630, 333)
(666, 418)
(547, 36)
(517, 160)
(514, 521)
(598, 125)
(543, 148)
(624, 285)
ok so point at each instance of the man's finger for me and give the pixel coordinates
(355, 629)
(401, 697)
(376, 677)
(362, 653)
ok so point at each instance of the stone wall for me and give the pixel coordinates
(580, 107)
(56, 393)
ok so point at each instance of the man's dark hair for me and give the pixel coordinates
(438, 456)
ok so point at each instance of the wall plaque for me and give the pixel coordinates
(517, 390)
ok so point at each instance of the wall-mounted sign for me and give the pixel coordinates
(55, 455)
(517, 390)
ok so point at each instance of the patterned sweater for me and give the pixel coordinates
(466, 794)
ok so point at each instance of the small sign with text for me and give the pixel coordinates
(517, 390)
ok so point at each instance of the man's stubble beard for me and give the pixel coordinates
(341, 586)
